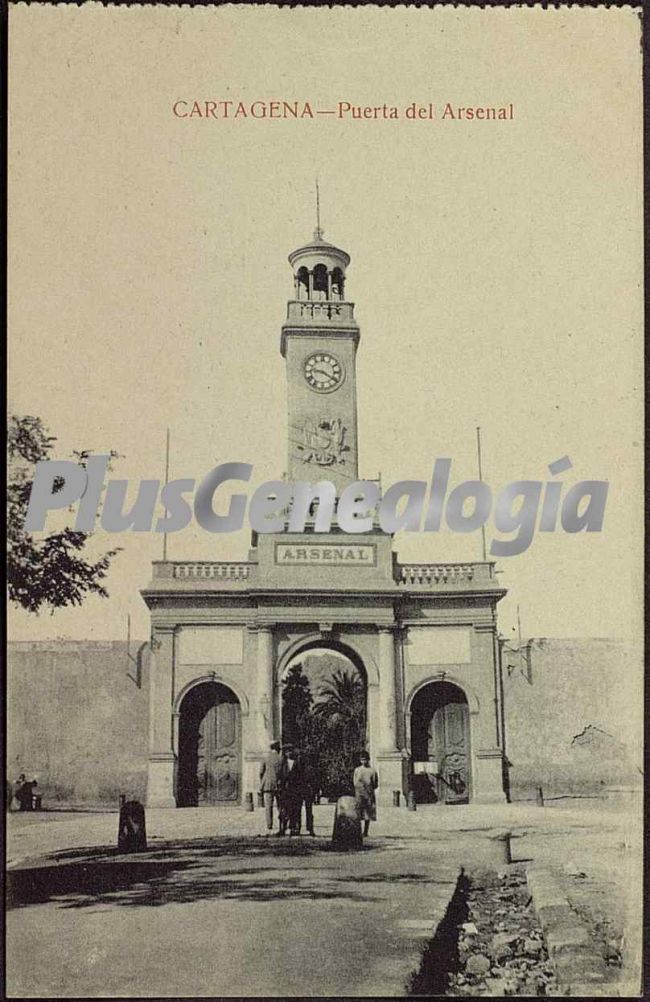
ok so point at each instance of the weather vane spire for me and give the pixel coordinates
(319, 232)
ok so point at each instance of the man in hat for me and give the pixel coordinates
(310, 790)
(291, 793)
(271, 776)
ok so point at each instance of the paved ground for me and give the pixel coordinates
(215, 909)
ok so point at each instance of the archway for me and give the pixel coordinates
(337, 284)
(302, 284)
(209, 747)
(324, 711)
(320, 282)
(440, 744)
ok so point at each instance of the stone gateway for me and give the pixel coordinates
(424, 636)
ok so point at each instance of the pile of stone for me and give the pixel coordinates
(501, 949)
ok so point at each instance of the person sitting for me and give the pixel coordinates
(16, 793)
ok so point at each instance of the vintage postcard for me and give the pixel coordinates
(325, 502)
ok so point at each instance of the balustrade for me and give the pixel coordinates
(224, 571)
(323, 310)
(433, 574)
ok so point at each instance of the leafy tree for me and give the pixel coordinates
(51, 570)
(296, 707)
(329, 732)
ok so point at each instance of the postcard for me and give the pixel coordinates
(325, 501)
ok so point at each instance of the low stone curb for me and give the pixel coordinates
(391, 975)
(579, 968)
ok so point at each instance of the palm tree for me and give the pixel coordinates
(340, 723)
(342, 701)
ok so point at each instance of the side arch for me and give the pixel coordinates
(208, 744)
(221, 678)
(445, 676)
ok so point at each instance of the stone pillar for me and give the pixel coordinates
(487, 750)
(162, 760)
(389, 759)
(311, 285)
(387, 701)
(264, 687)
(329, 285)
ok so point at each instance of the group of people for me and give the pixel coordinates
(22, 794)
(288, 781)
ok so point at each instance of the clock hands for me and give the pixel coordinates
(323, 372)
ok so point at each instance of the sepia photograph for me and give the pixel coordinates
(325, 502)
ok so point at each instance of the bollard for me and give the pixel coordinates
(540, 797)
(395, 798)
(132, 831)
(248, 802)
(347, 825)
(410, 802)
(260, 799)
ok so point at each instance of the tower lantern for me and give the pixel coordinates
(319, 270)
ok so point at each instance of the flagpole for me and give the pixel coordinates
(166, 482)
(480, 476)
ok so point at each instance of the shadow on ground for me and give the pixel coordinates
(189, 870)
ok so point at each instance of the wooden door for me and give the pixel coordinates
(219, 754)
(449, 747)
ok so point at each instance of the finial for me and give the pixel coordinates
(318, 232)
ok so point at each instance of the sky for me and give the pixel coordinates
(496, 266)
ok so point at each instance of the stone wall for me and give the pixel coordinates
(574, 715)
(77, 718)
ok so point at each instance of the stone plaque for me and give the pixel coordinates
(348, 554)
(438, 645)
(211, 645)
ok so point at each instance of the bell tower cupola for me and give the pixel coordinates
(319, 271)
(319, 343)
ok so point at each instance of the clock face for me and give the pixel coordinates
(323, 372)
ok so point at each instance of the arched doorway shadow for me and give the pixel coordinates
(209, 747)
(440, 744)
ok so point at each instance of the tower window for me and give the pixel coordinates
(337, 284)
(302, 284)
(320, 282)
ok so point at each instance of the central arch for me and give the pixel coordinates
(209, 747)
(324, 710)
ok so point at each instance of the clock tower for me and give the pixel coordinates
(421, 637)
(319, 342)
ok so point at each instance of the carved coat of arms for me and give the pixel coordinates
(322, 442)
